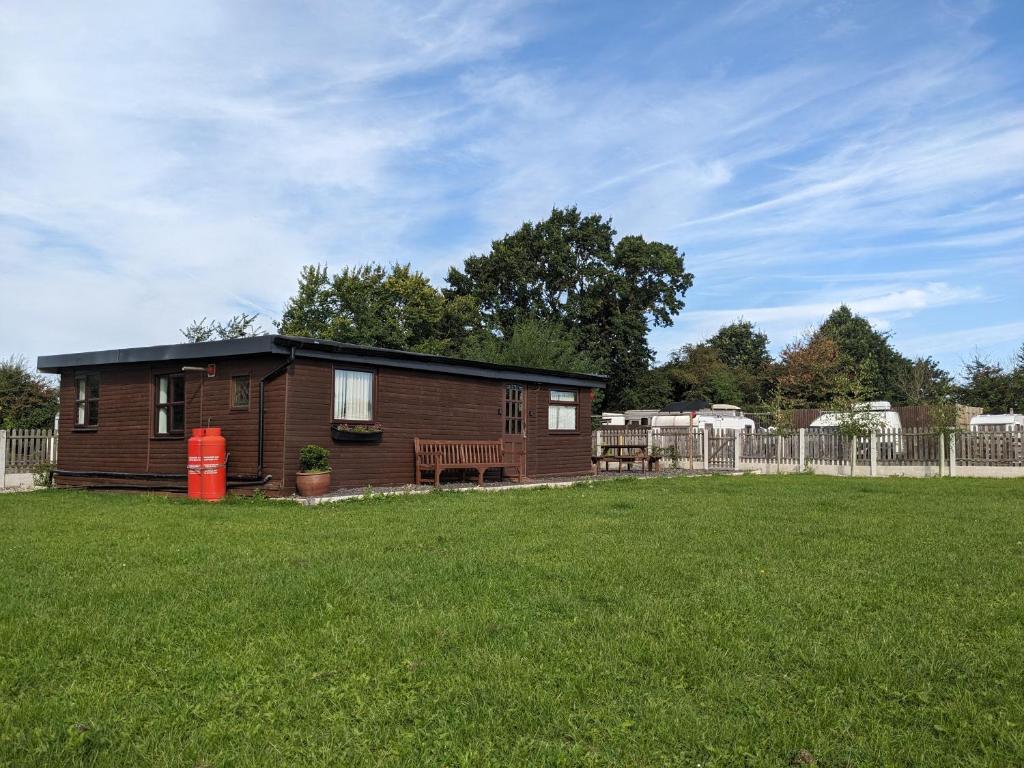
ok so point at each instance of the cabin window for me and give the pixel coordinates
(170, 404)
(513, 409)
(353, 395)
(562, 411)
(240, 391)
(87, 400)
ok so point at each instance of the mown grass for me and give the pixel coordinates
(695, 621)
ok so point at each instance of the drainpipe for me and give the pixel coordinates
(263, 407)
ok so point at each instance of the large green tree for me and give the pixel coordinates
(27, 399)
(395, 307)
(741, 345)
(812, 372)
(925, 382)
(733, 366)
(867, 353)
(531, 343)
(1017, 381)
(570, 269)
(237, 327)
(697, 372)
(988, 385)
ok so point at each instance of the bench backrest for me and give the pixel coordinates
(462, 452)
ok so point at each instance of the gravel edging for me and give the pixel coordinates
(565, 481)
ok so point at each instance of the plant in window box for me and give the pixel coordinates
(362, 432)
(314, 475)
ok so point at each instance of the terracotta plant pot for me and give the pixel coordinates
(312, 483)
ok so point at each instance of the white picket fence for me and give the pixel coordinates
(919, 452)
(22, 451)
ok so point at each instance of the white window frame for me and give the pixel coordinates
(343, 411)
(562, 403)
(84, 398)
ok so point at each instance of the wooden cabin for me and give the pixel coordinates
(126, 414)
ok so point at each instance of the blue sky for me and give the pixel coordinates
(161, 162)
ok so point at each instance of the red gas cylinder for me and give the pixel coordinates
(195, 463)
(215, 465)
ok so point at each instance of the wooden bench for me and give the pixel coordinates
(436, 456)
(623, 454)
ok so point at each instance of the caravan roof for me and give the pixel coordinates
(998, 420)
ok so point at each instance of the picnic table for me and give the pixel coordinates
(627, 454)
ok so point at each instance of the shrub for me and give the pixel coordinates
(42, 474)
(313, 458)
(27, 400)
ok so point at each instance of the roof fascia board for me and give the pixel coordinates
(164, 353)
(452, 368)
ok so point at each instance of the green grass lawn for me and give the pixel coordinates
(693, 621)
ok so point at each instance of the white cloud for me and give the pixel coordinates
(190, 159)
(880, 304)
(165, 162)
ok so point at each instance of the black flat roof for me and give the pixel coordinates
(277, 344)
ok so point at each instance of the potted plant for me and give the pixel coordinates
(314, 475)
(362, 432)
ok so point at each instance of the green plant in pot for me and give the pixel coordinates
(314, 475)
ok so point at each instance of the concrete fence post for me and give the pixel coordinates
(599, 436)
(853, 456)
(737, 448)
(53, 439)
(3, 458)
(874, 453)
(942, 454)
(952, 455)
(650, 440)
(803, 448)
(704, 445)
(778, 454)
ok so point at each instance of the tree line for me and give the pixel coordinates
(566, 293)
(842, 357)
(562, 293)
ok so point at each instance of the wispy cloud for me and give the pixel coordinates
(185, 161)
(881, 304)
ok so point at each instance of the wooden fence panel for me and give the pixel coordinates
(907, 447)
(826, 446)
(770, 448)
(28, 448)
(990, 449)
(681, 443)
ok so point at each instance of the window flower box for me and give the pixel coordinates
(357, 433)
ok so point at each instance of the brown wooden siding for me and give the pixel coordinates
(428, 405)
(556, 453)
(124, 439)
(299, 411)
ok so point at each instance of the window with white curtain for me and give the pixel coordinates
(562, 411)
(353, 395)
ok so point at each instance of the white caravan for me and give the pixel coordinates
(640, 417)
(879, 411)
(611, 419)
(998, 422)
(718, 417)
